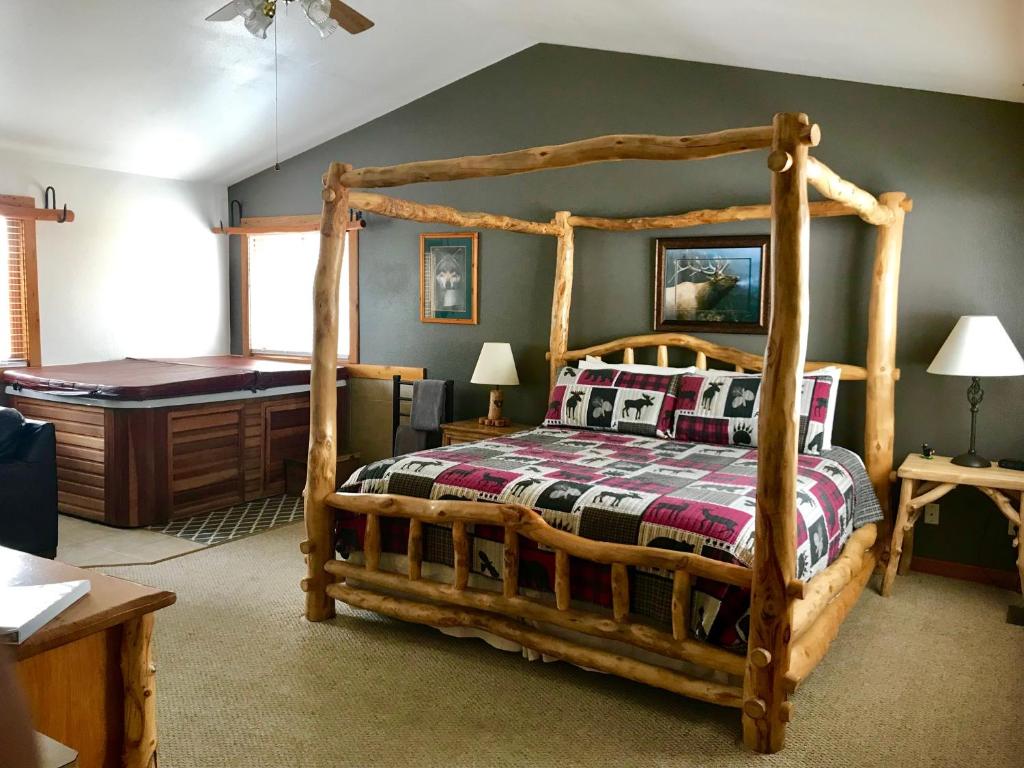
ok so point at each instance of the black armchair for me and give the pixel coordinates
(28, 484)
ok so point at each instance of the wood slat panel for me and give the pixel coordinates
(78, 452)
(206, 457)
(47, 411)
(80, 465)
(79, 489)
(204, 421)
(83, 478)
(83, 502)
(229, 433)
(210, 477)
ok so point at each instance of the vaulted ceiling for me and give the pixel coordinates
(151, 88)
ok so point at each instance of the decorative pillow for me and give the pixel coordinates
(613, 401)
(595, 362)
(721, 408)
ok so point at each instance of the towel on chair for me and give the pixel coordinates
(409, 440)
(427, 405)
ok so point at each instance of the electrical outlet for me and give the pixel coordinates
(931, 514)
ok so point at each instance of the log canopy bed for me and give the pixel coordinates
(791, 621)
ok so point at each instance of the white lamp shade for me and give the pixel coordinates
(495, 365)
(978, 346)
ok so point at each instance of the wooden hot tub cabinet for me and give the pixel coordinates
(133, 463)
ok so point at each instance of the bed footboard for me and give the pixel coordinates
(818, 606)
(504, 612)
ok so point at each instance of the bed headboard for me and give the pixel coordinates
(880, 371)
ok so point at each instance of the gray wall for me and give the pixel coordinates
(958, 157)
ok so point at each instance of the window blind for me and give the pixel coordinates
(14, 328)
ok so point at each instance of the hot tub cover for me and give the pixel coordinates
(151, 379)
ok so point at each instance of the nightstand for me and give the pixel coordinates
(928, 480)
(470, 430)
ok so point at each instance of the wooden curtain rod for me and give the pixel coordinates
(36, 214)
(298, 224)
(595, 150)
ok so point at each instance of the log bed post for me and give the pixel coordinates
(880, 410)
(323, 397)
(562, 299)
(765, 709)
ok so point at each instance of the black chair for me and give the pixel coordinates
(28, 484)
(401, 407)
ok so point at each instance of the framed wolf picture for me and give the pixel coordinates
(448, 278)
(712, 284)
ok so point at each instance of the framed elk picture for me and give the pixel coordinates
(712, 284)
(448, 278)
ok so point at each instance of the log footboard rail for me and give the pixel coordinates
(791, 623)
(519, 617)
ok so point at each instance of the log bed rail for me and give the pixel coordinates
(792, 623)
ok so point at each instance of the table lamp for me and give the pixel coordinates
(495, 366)
(977, 346)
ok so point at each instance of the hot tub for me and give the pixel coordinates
(142, 441)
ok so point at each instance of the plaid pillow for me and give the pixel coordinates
(611, 400)
(721, 408)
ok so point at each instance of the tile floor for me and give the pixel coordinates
(84, 543)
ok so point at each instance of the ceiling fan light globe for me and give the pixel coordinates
(318, 12)
(248, 8)
(257, 25)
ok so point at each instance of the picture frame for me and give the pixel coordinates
(719, 284)
(448, 277)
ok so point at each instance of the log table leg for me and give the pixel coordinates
(1020, 540)
(1015, 614)
(908, 552)
(898, 532)
(139, 675)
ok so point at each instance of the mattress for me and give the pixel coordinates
(628, 489)
(145, 379)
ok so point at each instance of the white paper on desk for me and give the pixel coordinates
(25, 609)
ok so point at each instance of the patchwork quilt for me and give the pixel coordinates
(631, 489)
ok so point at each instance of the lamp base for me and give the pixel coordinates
(494, 417)
(493, 422)
(971, 459)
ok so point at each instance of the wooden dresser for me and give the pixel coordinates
(88, 675)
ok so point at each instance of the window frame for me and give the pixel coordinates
(31, 269)
(270, 225)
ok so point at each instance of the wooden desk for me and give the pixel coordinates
(87, 674)
(928, 480)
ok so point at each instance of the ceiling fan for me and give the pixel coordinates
(325, 15)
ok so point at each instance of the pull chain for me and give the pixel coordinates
(277, 109)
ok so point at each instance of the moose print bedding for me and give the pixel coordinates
(631, 489)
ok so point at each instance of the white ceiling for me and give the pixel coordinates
(146, 86)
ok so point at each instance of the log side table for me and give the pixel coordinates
(927, 480)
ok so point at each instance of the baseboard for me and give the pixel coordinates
(992, 576)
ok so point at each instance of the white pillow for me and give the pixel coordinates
(596, 362)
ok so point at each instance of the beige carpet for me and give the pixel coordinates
(931, 677)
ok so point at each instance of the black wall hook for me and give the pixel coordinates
(50, 202)
(232, 211)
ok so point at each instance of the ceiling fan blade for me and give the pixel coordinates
(227, 13)
(349, 18)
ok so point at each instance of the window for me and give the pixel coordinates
(19, 301)
(277, 283)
